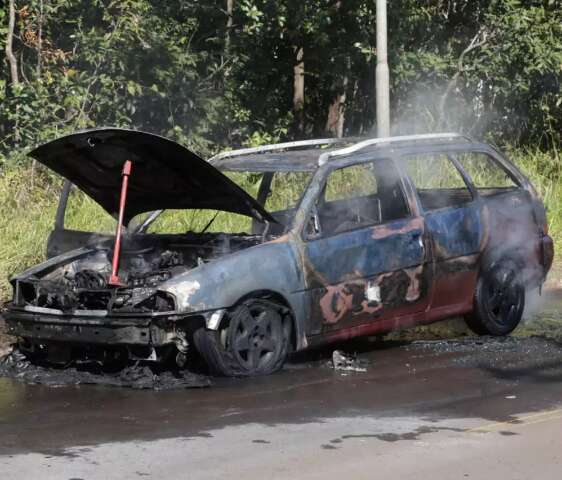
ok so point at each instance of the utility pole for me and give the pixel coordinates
(382, 77)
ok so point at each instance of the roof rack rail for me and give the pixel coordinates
(389, 140)
(280, 146)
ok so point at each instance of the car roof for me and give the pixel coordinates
(287, 161)
(308, 155)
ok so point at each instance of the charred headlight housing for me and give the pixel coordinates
(159, 302)
(24, 292)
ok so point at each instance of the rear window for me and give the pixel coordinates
(437, 180)
(487, 175)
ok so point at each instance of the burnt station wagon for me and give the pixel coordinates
(328, 240)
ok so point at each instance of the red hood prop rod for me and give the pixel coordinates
(114, 278)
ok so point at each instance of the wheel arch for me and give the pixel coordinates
(498, 254)
(279, 299)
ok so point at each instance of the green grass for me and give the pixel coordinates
(545, 172)
(28, 206)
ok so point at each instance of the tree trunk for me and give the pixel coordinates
(40, 39)
(12, 61)
(298, 90)
(336, 112)
(229, 23)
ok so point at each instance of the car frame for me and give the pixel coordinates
(302, 287)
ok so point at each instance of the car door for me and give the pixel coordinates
(368, 259)
(455, 223)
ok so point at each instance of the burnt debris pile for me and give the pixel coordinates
(141, 377)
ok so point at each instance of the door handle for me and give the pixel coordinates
(418, 237)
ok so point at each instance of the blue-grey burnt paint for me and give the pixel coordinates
(456, 231)
(273, 267)
(357, 254)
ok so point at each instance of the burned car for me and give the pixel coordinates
(372, 236)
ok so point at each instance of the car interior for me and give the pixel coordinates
(384, 202)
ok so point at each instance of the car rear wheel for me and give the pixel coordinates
(499, 300)
(253, 340)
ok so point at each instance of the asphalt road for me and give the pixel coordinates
(445, 410)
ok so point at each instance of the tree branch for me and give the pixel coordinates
(479, 40)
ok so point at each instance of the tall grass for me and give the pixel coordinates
(28, 205)
(545, 172)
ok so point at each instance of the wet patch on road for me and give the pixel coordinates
(395, 436)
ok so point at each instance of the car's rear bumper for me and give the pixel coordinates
(41, 327)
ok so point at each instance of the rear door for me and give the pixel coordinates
(510, 208)
(368, 259)
(454, 220)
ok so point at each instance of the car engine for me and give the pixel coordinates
(146, 262)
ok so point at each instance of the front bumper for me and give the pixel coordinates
(45, 327)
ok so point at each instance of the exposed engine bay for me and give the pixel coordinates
(146, 261)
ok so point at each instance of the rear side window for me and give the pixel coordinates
(487, 175)
(438, 182)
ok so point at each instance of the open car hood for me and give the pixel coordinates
(164, 174)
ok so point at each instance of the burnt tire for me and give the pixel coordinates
(499, 300)
(254, 339)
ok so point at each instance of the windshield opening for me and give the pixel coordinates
(278, 192)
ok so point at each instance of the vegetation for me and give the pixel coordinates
(217, 74)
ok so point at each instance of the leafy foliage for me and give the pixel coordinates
(177, 68)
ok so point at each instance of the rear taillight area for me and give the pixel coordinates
(547, 249)
(540, 216)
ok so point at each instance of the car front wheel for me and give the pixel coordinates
(253, 340)
(499, 300)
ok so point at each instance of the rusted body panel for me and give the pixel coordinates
(358, 275)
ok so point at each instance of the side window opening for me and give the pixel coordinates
(437, 180)
(486, 174)
(86, 215)
(361, 195)
(286, 190)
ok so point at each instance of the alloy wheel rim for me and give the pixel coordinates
(256, 337)
(503, 296)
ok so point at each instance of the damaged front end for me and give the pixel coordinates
(113, 297)
(69, 299)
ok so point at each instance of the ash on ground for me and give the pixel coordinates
(16, 366)
(506, 356)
